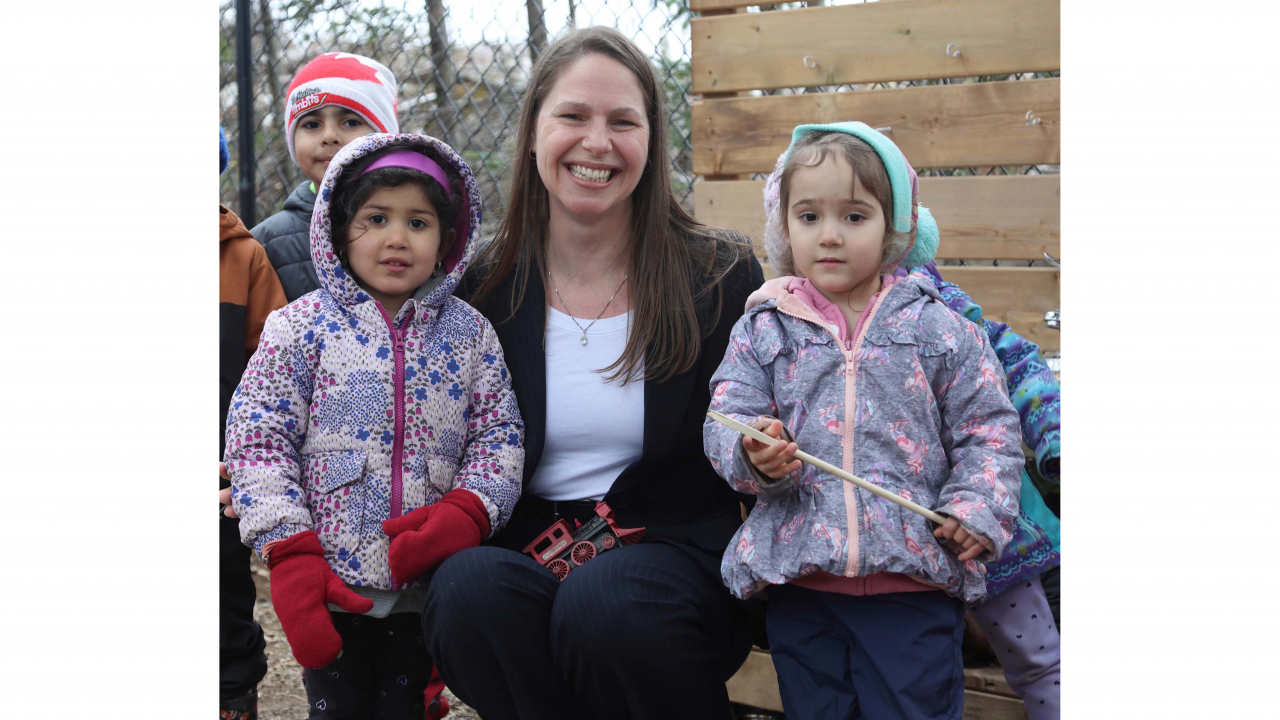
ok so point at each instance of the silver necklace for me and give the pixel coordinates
(583, 339)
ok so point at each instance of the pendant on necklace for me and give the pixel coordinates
(583, 340)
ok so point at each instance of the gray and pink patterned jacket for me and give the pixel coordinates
(916, 404)
(346, 417)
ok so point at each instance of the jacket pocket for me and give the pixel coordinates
(335, 495)
(426, 479)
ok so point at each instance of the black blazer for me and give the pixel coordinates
(672, 490)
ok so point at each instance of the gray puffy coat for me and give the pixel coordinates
(916, 404)
(286, 236)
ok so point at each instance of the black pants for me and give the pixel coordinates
(638, 632)
(382, 673)
(242, 654)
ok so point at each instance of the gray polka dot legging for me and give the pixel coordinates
(1020, 626)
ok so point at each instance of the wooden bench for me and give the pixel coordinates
(739, 132)
(986, 694)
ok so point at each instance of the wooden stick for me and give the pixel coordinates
(823, 465)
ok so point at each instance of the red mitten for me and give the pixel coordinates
(407, 523)
(457, 522)
(302, 583)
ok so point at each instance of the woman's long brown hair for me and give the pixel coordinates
(676, 262)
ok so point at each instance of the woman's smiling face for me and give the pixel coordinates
(592, 138)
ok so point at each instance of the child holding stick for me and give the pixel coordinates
(1017, 615)
(863, 366)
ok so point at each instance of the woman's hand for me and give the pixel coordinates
(224, 495)
(775, 461)
(958, 540)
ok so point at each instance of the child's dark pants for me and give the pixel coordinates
(382, 673)
(881, 657)
(241, 646)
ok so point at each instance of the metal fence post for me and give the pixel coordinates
(244, 80)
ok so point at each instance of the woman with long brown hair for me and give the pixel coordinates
(613, 307)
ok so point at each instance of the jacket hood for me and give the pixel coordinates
(230, 226)
(337, 281)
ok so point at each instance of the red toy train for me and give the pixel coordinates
(560, 549)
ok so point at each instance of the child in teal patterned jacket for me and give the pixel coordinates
(1017, 616)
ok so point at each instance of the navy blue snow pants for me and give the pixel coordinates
(894, 656)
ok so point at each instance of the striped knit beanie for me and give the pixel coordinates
(357, 83)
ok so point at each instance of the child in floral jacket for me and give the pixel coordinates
(868, 369)
(375, 431)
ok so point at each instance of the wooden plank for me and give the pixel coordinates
(1006, 217)
(982, 706)
(973, 124)
(707, 6)
(756, 682)
(874, 42)
(988, 680)
(734, 205)
(1009, 217)
(756, 685)
(1018, 297)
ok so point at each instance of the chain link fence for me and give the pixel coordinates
(462, 69)
(462, 72)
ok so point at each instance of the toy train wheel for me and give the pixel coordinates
(607, 542)
(582, 552)
(559, 568)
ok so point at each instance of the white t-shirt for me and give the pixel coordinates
(594, 429)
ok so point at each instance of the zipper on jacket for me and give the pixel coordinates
(850, 412)
(397, 440)
(852, 566)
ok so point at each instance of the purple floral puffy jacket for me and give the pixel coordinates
(346, 417)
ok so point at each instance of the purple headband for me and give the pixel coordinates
(414, 161)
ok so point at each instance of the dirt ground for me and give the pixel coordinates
(280, 694)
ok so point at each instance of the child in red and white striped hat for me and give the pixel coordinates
(360, 95)
(334, 99)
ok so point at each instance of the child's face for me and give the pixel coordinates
(321, 133)
(836, 239)
(395, 244)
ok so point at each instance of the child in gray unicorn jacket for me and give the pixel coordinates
(861, 364)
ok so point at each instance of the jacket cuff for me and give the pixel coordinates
(1048, 450)
(989, 546)
(764, 482)
(470, 503)
(265, 542)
